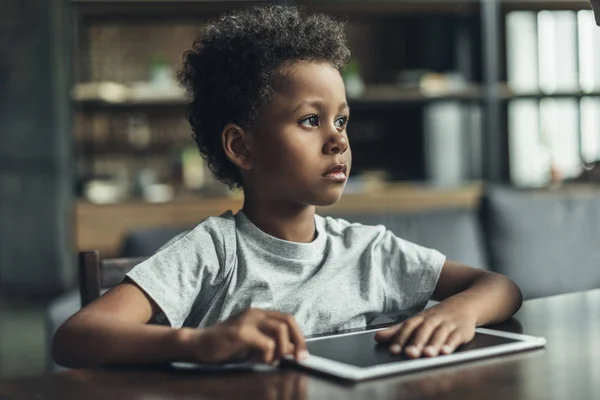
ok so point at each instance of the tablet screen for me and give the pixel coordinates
(361, 349)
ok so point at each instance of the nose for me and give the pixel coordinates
(336, 144)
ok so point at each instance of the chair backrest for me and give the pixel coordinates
(96, 274)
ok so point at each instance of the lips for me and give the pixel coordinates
(337, 168)
(337, 173)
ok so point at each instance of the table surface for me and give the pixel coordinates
(568, 368)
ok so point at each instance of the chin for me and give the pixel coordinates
(327, 199)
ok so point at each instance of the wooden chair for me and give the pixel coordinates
(96, 274)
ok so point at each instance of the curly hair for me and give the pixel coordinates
(232, 67)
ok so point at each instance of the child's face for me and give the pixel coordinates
(300, 136)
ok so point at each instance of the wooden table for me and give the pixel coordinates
(568, 368)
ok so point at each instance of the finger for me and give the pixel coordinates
(420, 337)
(295, 333)
(452, 342)
(404, 333)
(261, 345)
(279, 331)
(437, 340)
(385, 335)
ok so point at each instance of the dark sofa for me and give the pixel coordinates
(548, 241)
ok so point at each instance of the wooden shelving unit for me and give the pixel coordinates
(473, 29)
(382, 96)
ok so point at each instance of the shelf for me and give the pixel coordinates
(86, 148)
(538, 95)
(150, 103)
(375, 96)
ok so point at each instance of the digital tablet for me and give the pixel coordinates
(357, 356)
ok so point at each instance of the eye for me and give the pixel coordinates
(311, 121)
(341, 122)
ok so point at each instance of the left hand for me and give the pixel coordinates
(437, 330)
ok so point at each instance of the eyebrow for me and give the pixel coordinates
(318, 104)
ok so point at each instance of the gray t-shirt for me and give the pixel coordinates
(346, 277)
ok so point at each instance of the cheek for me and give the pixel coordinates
(285, 157)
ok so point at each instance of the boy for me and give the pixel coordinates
(269, 114)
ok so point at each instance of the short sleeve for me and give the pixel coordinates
(189, 264)
(409, 273)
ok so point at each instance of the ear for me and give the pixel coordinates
(235, 142)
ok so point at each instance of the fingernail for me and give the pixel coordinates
(395, 348)
(413, 350)
(447, 349)
(430, 350)
(303, 354)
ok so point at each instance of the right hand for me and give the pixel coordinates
(255, 335)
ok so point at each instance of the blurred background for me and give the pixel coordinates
(475, 127)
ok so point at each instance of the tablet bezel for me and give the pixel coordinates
(354, 373)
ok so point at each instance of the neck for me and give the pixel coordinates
(294, 223)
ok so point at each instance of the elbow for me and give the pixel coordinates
(63, 352)
(67, 349)
(60, 351)
(513, 293)
(509, 292)
(519, 296)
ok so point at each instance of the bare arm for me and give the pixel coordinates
(489, 296)
(113, 330)
(469, 298)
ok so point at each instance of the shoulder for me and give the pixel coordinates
(213, 226)
(221, 225)
(212, 233)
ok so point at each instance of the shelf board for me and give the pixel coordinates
(149, 103)
(558, 95)
(375, 96)
(88, 147)
(384, 95)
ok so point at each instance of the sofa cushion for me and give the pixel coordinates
(547, 241)
(455, 231)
